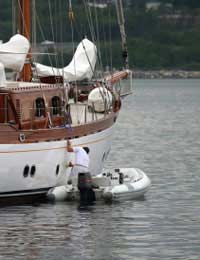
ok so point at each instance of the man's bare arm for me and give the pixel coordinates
(69, 147)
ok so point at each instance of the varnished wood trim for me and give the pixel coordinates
(8, 136)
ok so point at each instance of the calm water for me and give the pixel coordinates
(159, 132)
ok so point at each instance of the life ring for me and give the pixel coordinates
(22, 137)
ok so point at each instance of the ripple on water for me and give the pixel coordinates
(157, 131)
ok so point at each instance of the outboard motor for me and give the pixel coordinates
(87, 195)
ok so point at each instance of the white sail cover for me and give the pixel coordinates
(13, 53)
(81, 66)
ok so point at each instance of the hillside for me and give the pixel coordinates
(163, 36)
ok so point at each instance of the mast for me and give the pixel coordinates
(24, 28)
(121, 22)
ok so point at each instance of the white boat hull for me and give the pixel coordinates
(46, 163)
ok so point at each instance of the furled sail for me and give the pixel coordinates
(81, 66)
(13, 53)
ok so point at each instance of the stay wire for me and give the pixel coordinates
(52, 30)
(75, 28)
(98, 39)
(90, 19)
(43, 36)
(61, 32)
(110, 38)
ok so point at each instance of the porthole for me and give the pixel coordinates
(57, 169)
(33, 169)
(22, 137)
(26, 171)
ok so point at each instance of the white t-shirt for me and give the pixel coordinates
(81, 157)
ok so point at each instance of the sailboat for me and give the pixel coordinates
(39, 115)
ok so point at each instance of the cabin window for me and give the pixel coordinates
(40, 107)
(56, 105)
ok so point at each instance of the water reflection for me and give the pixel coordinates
(158, 131)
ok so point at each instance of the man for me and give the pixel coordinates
(81, 163)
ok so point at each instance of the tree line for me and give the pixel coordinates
(168, 37)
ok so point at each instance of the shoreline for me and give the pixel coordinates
(166, 74)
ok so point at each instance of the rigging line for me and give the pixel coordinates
(58, 22)
(51, 20)
(55, 15)
(43, 36)
(103, 84)
(110, 38)
(89, 18)
(98, 40)
(91, 26)
(97, 25)
(121, 23)
(43, 95)
(72, 29)
(104, 35)
(32, 53)
(71, 18)
(88, 58)
(82, 44)
(40, 27)
(78, 31)
(52, 30)
(22, 16)
(92, 29)
(87, 55)
(61, 35)
(13, 17)
(34, 36)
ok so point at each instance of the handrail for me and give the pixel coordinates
(74, 114)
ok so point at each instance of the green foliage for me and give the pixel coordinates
(191, 4)
(154, 41)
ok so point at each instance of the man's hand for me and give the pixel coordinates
(70, 164)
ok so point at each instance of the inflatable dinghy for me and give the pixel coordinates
(111, 185)
(123, 184)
